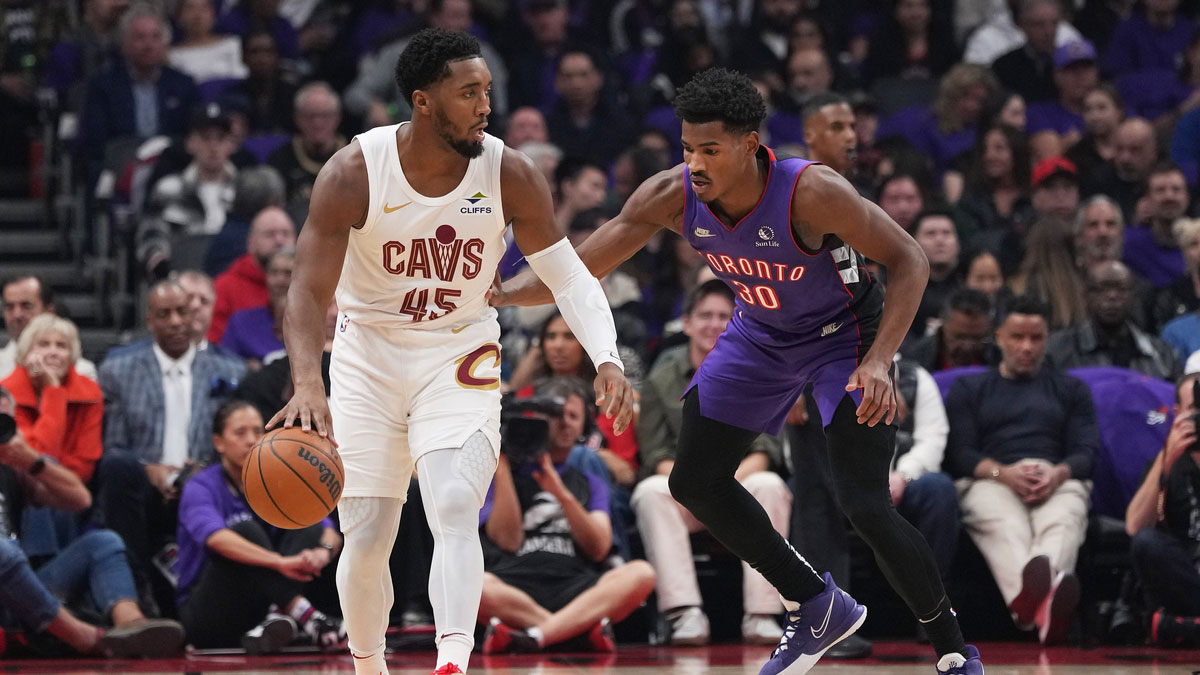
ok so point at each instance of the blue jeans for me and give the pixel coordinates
(92, 567)
(930, 503)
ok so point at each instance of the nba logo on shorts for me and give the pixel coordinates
(343, 323)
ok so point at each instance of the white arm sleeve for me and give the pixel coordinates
(580, 299)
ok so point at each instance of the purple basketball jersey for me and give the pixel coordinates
(802, 316)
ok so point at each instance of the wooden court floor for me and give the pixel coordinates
(898, 658)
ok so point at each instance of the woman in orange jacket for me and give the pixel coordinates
(59, 412)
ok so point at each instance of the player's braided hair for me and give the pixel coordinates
(427, 58)
(720, 95)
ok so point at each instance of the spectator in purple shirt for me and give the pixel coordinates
(85, 52)
(254, 333)
(1152, 38)
(235, 571)
(1056, 125)
(1151, 248)
(947, 129)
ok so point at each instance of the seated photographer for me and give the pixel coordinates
(550, 524)
(91, 568)
(58, 410)
(1162, 518)
(240, 579)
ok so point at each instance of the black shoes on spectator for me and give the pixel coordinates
(148, 638)
(272, 635)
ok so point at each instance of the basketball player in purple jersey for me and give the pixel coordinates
(786, 236)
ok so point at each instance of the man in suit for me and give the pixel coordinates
(139, 96)
(159, 398)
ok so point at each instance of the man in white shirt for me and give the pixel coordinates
(1001, 35)
(159, 398)
(26, 297)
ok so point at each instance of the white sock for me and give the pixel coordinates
(372, 664)
(536, 634)
(302, 611)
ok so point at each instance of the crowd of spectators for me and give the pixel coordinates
(1043, 154)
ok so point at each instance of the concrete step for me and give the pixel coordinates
(57, 274)
(25, 211)
(16, 244)
(97, 341)
(81, 307)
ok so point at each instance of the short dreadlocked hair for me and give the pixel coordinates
(720, 95)
(427, 58)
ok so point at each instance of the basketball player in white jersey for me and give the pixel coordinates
(407, 222)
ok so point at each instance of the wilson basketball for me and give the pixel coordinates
(293, 479)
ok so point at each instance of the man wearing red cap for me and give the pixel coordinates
(1055, 188)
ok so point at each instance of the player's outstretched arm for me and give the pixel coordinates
(825, 203)
(657, 203)
(338, 204)
(578, 294)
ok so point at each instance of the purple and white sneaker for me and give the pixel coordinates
(957, 664)
(821, 622)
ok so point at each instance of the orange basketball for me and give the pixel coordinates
(293, 478)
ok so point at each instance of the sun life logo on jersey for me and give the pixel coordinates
(473, 200)
(767, 234)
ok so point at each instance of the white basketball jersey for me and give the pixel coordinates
(420, 261)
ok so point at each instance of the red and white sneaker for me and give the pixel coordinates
(448, 669)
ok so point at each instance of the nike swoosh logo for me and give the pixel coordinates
(817, 634)
(460, 329)
(390, 209)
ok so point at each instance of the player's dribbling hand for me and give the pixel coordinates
(614, 396)
(309, 407)
(878, 392)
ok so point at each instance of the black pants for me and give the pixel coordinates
(818, 527)
(230, 598)
(1168, 573)
(860, 459)
(129, 505)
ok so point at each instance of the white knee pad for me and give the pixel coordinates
(475, 462)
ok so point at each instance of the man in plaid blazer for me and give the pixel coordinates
(159, 398)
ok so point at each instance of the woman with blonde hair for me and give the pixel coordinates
(58, 411)
(946, 129)
(1048, 272)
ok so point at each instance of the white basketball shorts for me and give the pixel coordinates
(398, 393)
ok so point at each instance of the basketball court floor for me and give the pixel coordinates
(898, 658)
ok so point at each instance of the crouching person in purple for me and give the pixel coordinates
(92, 566)
(241, 580)
(785, 236)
